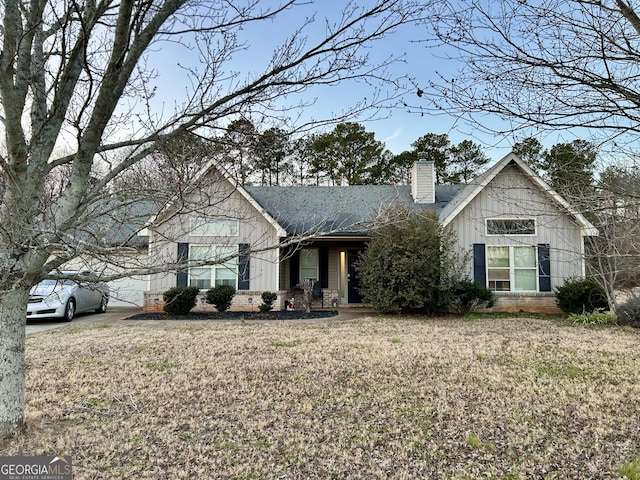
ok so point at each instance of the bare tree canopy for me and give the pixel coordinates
(555, 64)
(77, 112)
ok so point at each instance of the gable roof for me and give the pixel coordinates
(340, 211)
(213, 165)
(350, 210)
(471, 190)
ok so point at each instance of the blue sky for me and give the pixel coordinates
(397, 131)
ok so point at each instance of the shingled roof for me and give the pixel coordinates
(346, 210)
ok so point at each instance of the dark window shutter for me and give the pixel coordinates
(544, 267)
(323, 267)
(294, 269)
(244, 267)
(183, 256)
(479, 264)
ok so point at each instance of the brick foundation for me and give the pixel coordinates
(243, 301)
(525, 302)
(249, 301)
(246, 301)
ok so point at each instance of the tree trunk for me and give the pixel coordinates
(12, 342)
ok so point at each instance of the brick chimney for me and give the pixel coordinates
(423, 180)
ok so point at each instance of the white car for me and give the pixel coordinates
(64, 298)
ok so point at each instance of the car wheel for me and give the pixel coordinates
(103, 305)
(70, 310)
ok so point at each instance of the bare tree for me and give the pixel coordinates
(614, 256)
(549, 66)
(80, 74)
(541, 65)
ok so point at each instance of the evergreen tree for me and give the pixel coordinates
(531, 151)
(570, 169)
(467, 159)
(272, 149)
(436, 147)
(347, 153)
(238, 149)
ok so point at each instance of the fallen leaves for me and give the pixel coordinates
(370, 398)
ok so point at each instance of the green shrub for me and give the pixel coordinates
(467, 295)
(407, 264)
(221, 297)
(267, 301)
(629, 312)
(180, 300)
(581, 296)
(592, 318)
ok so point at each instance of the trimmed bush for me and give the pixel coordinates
(629, 312)
(267, 301)
(581, 296)
(180, 300)
(467, 295)
(221, 297)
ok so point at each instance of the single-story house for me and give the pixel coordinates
(522, 237)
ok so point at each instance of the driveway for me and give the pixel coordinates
(113, 313)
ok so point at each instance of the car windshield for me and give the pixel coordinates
(52, 282)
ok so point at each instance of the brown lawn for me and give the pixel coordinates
(372, 398)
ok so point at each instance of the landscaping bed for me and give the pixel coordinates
(274, 315)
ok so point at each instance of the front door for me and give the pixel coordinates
(353, 281)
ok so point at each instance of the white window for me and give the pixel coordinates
(309, 264)
(222, 227)
(223, 273)
(512, 269)
(511, 226)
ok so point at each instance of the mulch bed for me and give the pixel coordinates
(276, 315)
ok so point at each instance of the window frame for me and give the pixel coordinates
(512, 269)
(219, 227)
(317, 264)
(511, 219)
(231, 265)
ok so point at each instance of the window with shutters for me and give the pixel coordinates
(512, 269)
(223, 272)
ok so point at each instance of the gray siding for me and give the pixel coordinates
(513, 195)
(219, 200)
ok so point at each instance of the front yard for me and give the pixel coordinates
(509, 398)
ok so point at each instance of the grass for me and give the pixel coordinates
(630, 470)
(507, 398)
(592, 318)
(474, 441)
